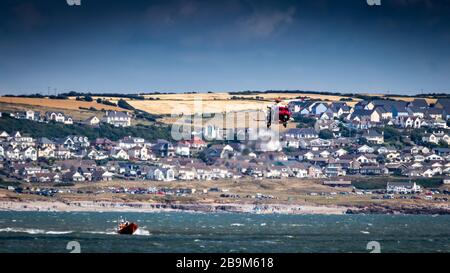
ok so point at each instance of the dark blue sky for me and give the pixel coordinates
(403, 46)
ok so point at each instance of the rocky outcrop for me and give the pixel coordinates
(406, 209)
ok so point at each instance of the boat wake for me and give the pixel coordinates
(142, 232)
(34, 231)
(107, 232)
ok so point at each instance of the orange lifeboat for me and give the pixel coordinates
(127, 228)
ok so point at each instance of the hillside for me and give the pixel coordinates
(58, 130)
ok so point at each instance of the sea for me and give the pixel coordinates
(180, 232)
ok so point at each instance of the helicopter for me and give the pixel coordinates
(278, 113)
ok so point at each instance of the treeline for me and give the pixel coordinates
(39, 96)
(115, 95)
(354, 95)
(80, 95)
(58, 130)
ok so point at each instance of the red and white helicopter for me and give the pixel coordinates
(278, 113)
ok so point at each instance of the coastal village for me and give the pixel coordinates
(333, 143)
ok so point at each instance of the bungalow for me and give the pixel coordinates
(301, 133)
(403, 188)
(372, 136)
(366, 159)
(96, 155)
(365, 149)
(297, 169)
(373, 170)
(119, 154)
(92, 121)
(73, 176)
(322, 124)
(131, 142)
(102, 175)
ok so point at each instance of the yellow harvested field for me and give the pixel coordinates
(429, 101)
(203, 96)
(166, 104)
(61, 104)
(188, 107)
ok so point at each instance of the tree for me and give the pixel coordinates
(88, 98)
(304, 122)
(417, 135)
(326, 134)
(124, 104)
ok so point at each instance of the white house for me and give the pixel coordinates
(118, 119)
(403, 188)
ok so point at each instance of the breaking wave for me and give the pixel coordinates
(34, 231)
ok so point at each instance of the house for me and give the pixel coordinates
(289, 142)
(365, 149)
(92, 121)
(131, 142)
(436, 137)
(118, 119)
(163, 148)
(318, 108)
(195, 143)
(437, 113)
(219, 151)
(366, 159)
(160, 174)
(331, 125)
(403, 188)
(58, 117)
(119, 154)
(372, 136)
(419, 103)
(334, 169)
(102, 175)
(373, 170)
(32, 115)
(183, 149)
(4, 135)
(296, 169)
(73, 176)
(46, 152)
(444, 104)
(409, 122)
(301, 133)
(96, 155)
(29, 153)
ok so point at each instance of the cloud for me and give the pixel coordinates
(262, 24)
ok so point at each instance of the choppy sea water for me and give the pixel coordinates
(42, 232)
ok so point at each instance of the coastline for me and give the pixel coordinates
(140, 207)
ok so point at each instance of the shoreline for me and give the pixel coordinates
(101, 206)
(283, 209)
